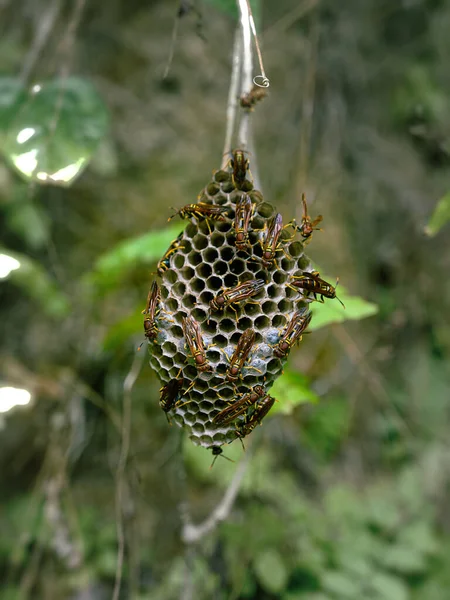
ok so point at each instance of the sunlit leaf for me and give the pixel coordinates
(33, 279)
(291, 389)
(341, 584)
(50, 132)
(440, 216)
(145, 249)
(271, 571)
(331, 311)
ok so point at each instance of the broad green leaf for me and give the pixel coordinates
(29, 275)
(50, 132)
(388, 587)
(342, 585)
(440, 216)
(271, 571)
(291, 389)
(144, 249)
(405, 560)
(331, 311)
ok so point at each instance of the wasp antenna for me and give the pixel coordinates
(140, 346)
(340, 301)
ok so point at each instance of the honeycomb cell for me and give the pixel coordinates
(197, 285)
(210, 256)
(212, 188)
(200, 242)
(262, 322)
(269, 308)
(178, 261)
(220, 267)
(179, 289)
(278, 321)
(194, 258)
(227, 253)
(296, 249)
(264, 209)
(169, 348)
(222, 176)
(189, 301)
(172, 304)
(284, 306)
(279, 277)
(214, 283)
(217, 240)
(204, 270)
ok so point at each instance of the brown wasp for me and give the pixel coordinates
(240, 355)
(244, 212)
(201, 210)
(256, 94)
(169, 393)
(240, 165)
(312, 282)
(307, 226)
(164, 263)
(293, 332)
(230, 413)
(269, 243)
(194, 340)
(240, 292)
(261, 410)
(152, 310)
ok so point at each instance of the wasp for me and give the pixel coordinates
(293, 332)
(256, 94)
(230, 413)
(244, 212)
(236, 294)
(261, 410)
(269, 243)
(169, 393)
(151, 311)
(164, 263)
(240, 166)
(307, 225)
(312, 282)
(240, 355)
(201, 210)
(194, 340)
(217, 451)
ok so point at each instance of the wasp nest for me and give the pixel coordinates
(231, 301)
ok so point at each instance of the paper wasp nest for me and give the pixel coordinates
(204, 262)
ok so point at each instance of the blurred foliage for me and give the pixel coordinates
(347, 490)
(50, 132)
(440, 216)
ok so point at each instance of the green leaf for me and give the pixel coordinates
(29, 275)
(331, 311)
(271, 571)
(440, 216)
(404, 560)
(388, 587)
(291, 389)
(340, 584)
(144, 249)
(50, 132)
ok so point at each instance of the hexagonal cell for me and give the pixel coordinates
(200, 242)
(217, 240)
(169, 348)
(210, 256)
(179, 289)
(296, 249)
(264, 209)
(269, 307)
(178, 261)
(212, 188)
(194, 258)
(214, 283)
(189, 301)
(279, 277)
(227, 253)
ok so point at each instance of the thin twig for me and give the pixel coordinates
(191, 533)
(247, 70)
(45, 25)
(128, 384)
(233, 95)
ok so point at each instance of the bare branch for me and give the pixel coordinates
(191, 533)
